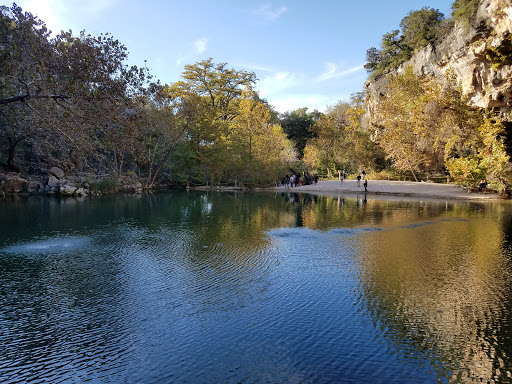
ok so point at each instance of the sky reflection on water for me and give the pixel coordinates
(211, 287)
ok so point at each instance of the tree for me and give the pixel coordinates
(418, 29)
(63, 97)
(248, 125)
(341, 140)
(373, 58)
(407, 137)
(489, 160)
(421, 27)
(162, 123)
(297, 126)
(221, 85)
(463, 11)
(219, 90)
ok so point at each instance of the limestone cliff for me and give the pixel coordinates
(480, 55)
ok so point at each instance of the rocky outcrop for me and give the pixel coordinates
(56, 183)
(12, 183)
(480, 55)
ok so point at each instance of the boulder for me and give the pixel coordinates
(81, 192)
(33, 186)
(67, 190)
(57, 172)
(14, 185)
(54, 182)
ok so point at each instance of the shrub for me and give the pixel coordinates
(105, 186)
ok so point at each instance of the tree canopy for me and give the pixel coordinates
(418, 29)
(72, 101)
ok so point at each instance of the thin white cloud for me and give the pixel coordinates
(58, 13)
(200, 45)
(253, 67)
(267, 12)
(292, 102)
(180, 60)
(197, 47)
(333, 72)
(278, 82)
(286, 92)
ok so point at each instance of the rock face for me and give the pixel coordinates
(470, 53)
(13, 184)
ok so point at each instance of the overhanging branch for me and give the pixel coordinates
(14, 99)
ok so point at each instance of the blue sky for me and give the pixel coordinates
(304, 53)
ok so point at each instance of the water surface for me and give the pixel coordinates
(254, 287)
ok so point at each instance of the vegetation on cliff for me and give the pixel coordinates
(419, 28)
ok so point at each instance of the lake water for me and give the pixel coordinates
(254, 288)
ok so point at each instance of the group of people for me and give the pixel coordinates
(297, 180)
(306, 179)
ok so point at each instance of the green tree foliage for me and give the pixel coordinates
(431, 127)
(222, 86)
(463, 11)
(407, 139)
(418, 29)
(394, 52)
(298, 126)
(232, 138)
(425, 123)
(161, 125)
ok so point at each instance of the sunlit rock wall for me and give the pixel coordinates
(470, 53)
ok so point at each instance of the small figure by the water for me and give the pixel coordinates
(364, 174)
(341, 175)
(365, 186)
(482, 187)
(358, 181)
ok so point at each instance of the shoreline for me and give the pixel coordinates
(382, 188)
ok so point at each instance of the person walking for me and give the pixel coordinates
(364, 174)
(358, 181)
(341, 176)
(365, 186)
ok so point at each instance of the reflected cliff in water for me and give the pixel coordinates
(443, 289)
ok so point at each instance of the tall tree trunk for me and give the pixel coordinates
(11, 165)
